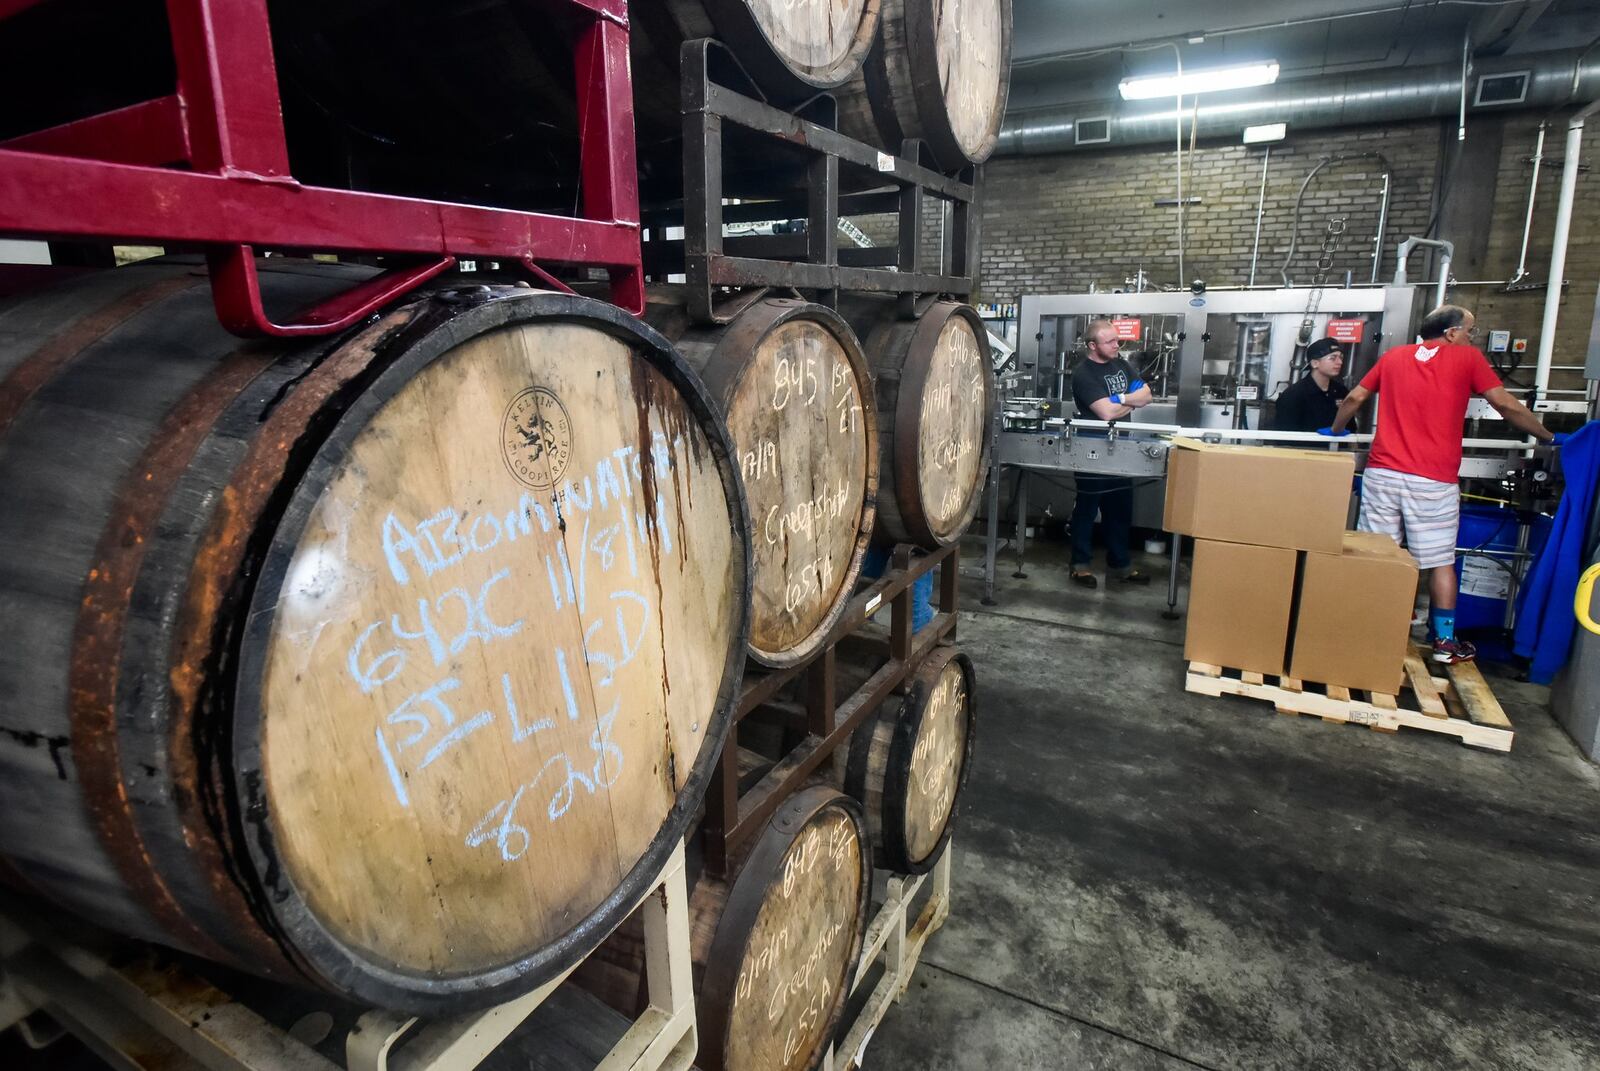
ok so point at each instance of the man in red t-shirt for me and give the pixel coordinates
(1410, 489)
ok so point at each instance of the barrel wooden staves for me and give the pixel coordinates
(935, 399)
(940, 72)
(396, 663)
(792, 49)
(908, 764)
(775, 948)
(791, 380)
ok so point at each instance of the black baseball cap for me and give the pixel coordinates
(1322, 347)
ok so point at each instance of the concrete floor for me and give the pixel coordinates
(1151, 879)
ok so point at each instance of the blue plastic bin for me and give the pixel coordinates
(1487, 540)
(876, 561)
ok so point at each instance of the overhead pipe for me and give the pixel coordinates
(1448, 250)
(1527, 222)
(1377, 96)
(1558, 249)
(1383, 223)
(1261, 208)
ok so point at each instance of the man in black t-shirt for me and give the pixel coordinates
(1105, 388)
(1311, 403)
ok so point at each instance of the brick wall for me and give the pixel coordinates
(1061, 223)
(1522, 312)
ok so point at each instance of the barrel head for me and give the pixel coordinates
(972, 43)
(492, 653)
(938, 760)
(788, 940)
(807, 447)
(815, 37)
(952, 424)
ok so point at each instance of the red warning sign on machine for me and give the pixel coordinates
(1347, 330)
(1128, 330)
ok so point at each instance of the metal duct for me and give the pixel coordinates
(1379, 96)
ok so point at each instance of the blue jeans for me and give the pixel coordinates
(1112, 498)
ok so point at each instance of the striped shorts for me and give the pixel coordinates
(1420, 514)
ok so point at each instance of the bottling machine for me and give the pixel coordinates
(1216, 361)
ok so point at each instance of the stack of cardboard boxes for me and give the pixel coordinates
(1278, 586)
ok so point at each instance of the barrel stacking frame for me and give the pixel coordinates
(145, 1003)
(733, 817)
(208, 165)
(841, 175)
(896, 935)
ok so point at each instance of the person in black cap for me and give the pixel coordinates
(1311, 403)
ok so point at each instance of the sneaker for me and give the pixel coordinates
(1085, 580)
(1452, 651)
(1134, 576)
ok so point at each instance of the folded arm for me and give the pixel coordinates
(1106, 409)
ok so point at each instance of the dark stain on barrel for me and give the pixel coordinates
(30, 739)
(643, 386)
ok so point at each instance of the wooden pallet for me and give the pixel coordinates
(896, 937)
(1460, 704)
(140, 1007)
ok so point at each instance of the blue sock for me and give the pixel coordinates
(1442, 623)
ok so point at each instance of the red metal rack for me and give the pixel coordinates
(208, 166)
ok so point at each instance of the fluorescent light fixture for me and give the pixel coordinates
(1192, 82)
(1255, 135)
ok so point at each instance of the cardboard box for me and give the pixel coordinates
(1239, 601)
(1353, 623)
(1259, 495)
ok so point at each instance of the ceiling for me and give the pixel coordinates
(1074, 50)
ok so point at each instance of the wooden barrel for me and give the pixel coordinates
(790, 379)
(939, 72)
(935, 399)
(792, 49)
(774, 948)
(396, 662)
(907, 764)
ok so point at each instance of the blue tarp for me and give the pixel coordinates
(1545, 622)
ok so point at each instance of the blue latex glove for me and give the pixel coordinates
(1561, 438)
(1116, 399)
(1328, 431)
(1138, 385)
